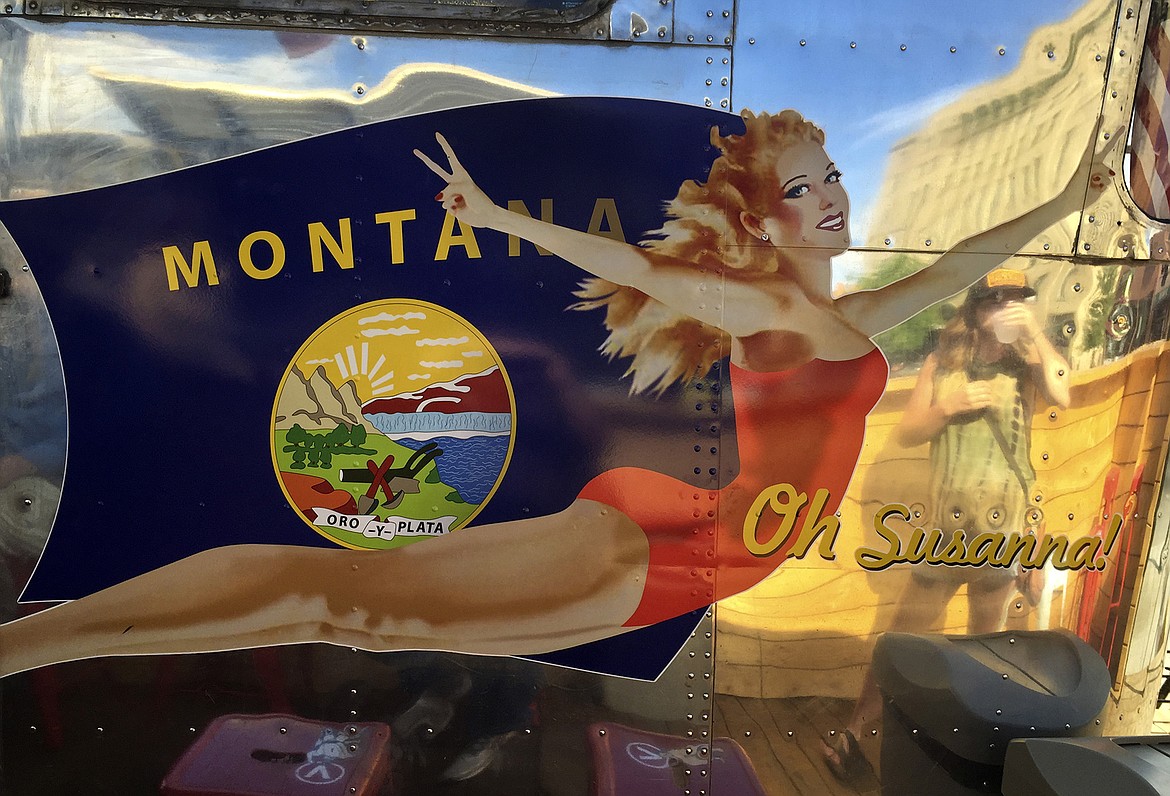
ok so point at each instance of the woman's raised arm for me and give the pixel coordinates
(676, 284)
(874, 311)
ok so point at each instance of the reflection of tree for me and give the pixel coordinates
(909, 341)
(1092, 337)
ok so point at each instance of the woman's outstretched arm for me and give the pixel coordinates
(874, 311)
(676, 284)
(523, 587)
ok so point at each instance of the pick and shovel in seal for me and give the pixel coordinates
(395, 482)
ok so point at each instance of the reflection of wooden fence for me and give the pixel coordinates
(809, 629)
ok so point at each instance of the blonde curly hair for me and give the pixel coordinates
(703, 227)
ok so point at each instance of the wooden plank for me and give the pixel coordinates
(827, 714)
(744, 727)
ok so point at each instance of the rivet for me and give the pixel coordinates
(747, 733)
(1070, 515)
(1087, 247)
(191, 729)
(791, 734)
(662, 33)
(1005, 676)
(954, 49)
(710, 60)
(1051, 54)
(710, 39)
(928, 241)
(710, 14)
(1120, 52)
(726, 61)
(852, 45)
(708, 81)
(803, 42)
(751, 40)
(689, 38)
(902, 47)
(723, 82)
(99, 729)
(888, 241)
(1097, 57)
(707, 101)
(601, 732)
(1113, 94)
(1093, 218)
(999, 712)
(1044, 456)
(1002, 51)
(1011, 641)
(1019, 607)
(1047, 247)
(726, 14)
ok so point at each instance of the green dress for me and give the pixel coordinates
(981, 473)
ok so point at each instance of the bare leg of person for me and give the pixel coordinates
(514, 588)
(987, 605)
(920, 609)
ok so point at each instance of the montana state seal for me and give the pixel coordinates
(394, 422)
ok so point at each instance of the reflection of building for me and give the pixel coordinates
(1001, 147)
(998, 151)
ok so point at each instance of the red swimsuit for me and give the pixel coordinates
(803, 427)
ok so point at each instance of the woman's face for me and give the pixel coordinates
(812, 210)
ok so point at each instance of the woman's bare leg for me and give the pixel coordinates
(987, 606)
(920, 609)
(513, 588)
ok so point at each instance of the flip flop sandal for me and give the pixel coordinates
(844, 758)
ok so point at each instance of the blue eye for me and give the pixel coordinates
(797, 191)
(832, 177)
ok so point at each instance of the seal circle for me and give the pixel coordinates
(394, 421)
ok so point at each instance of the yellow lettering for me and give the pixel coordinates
(449, 238)
(955, 551)
(1015, 546)
(546, 214)
(201, 259)
(877, 560)
(274, 243)
(605, 211)
(815, 525)
(984, 547)
(1083, 553)
(395, 219)
(786, 502)
(342, 251)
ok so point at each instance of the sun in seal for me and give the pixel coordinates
(395, 421)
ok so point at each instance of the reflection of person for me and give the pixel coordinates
(744, 258)
(973, 402)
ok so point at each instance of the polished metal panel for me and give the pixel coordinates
(636, 20)
(706, 21)
(971, 117)
(944, 122)
(113, 102)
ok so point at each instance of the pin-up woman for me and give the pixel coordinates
(743, 259)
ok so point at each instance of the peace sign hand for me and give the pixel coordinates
(462, 197)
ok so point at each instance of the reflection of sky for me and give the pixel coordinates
(869, 97)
